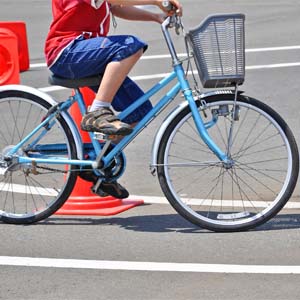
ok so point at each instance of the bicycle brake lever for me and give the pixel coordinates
(174, 21)
(178, 25)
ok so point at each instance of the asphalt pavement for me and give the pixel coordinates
(150, 252)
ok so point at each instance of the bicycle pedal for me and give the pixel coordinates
(97, 190)
(96, 187)
(100, 136)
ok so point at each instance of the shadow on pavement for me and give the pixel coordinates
(155, 223)
(166, 223)
(281, 222)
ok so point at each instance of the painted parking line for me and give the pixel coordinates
(162, 75)
(271, 49)
(163, 56)
(255, 67)
(18, 188)
(214, 203)
(146, 266)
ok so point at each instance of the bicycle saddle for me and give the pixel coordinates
(74, 83)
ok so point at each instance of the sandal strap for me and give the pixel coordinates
(106, 114)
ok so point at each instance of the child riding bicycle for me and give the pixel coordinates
(77, 46)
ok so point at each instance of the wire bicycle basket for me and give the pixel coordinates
(218, 45)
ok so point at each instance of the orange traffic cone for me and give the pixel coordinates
(19, 29)
(9, 59)
(82, 201)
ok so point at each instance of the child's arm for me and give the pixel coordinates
(158, 3)
(136, 14)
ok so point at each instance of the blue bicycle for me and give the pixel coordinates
(225, 161)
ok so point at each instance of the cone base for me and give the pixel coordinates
(96, 206)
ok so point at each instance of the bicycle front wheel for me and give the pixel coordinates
(32, 192)
(236, 196)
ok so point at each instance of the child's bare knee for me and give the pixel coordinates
(139, 53)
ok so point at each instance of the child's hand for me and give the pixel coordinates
(164, 7)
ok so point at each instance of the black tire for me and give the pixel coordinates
(31, 193)
(243, 195)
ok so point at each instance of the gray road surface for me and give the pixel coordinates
(155, 233)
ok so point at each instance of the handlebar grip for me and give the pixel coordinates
(168, 5)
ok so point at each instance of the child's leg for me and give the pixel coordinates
(114, 75)
(116, 55)
(100, 118)
(111, 56)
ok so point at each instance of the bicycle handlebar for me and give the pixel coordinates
(168, 6)
(171, 21)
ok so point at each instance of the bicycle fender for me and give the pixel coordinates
(171, 116)
(65, 115)
(29, 90)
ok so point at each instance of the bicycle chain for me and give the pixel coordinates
(60, 171)
(51, 169)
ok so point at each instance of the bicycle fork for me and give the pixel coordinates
(188, 95)
(187, 92)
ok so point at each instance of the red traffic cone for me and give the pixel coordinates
(19, 29)
(9, 60)
(82, 201)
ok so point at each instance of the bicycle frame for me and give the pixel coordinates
(181, 85)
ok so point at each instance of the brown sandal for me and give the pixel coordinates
(104, 121)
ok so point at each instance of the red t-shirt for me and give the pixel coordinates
(71, 18)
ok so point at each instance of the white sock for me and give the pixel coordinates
(97, 104)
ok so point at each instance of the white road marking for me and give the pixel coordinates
(162, 56)
(283, 48)
(37, 65)
(146, 266)
(274, 66)
(18, 188)
(162, 75)
(22, 189)
(217, 203)
(53, 88)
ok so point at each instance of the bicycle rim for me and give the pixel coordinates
(232, 197)
(32, 192)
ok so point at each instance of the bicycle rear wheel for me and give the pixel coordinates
(229, 197)
(32, 192)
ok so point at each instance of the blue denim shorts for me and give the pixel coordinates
(88, 57)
